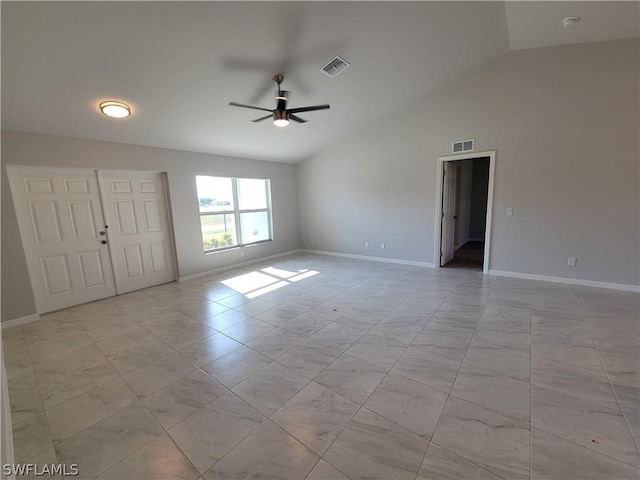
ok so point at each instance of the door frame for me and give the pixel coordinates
(439, 179)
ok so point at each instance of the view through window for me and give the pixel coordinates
(233, 211)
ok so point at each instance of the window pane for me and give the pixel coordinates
(252, 193)
(255, 227)
(215, 194)
(218, 231)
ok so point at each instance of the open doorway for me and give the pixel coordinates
(463, 219)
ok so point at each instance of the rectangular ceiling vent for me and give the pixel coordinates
(463, 146)
(335, 66)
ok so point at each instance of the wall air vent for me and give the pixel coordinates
(463, 146)
(335, 66)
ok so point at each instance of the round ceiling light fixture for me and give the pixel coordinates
(114, 109)
(570, 21)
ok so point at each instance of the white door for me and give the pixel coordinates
(61, 225)
(448, 213)
(139, 233)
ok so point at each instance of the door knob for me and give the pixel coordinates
(104, 242)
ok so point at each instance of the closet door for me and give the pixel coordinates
(63, 234)
(139, 233)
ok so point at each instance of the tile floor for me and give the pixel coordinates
(323, 368)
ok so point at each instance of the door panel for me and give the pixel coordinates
(59, 215)
(140, 240)
(448, 213)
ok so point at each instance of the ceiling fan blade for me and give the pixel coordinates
(308, 109)
(234, 104)
(295, 118)
(262, 118)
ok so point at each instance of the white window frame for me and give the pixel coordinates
(237, 212)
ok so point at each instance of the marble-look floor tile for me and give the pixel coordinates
(505, 395)
(124, 341)
(144, 464)
(490, 440)
(352, 378)
(210, 433)
(226, 319)
(16, 355)
(442, 464)
(337, 336)
(580, 383)
(105, 443)
(24, 397)
(325, 471)
(30, 437)
(315, 416)
(270, 388)
(82, 411)
(58, 386)
(269, 452)
(275, 342)
(180, 335)
(158, 374)
(247, 330)
(306, 324)
(308, 358)
(55, 344)
(505, 361)
(207, 350)
(408, 403)
(178, 400)
(233, 367)
(427, 368)
(597, 428)
(377, 350)
(139, 356)
(553, 457)
(373, 447)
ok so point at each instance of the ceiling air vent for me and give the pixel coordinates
(463, 146)
(335, 66)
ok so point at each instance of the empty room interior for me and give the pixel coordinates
(320, 240)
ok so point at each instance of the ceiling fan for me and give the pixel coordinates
(281, 114)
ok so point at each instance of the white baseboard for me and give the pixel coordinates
(235, 265)
(20, 321)
(570, 281)
(373, 259)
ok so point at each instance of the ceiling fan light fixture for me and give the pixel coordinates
(280, 118)
(114, 109)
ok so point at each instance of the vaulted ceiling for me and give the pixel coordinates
(179, 64)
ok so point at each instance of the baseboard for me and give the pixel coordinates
(213, 271)
(571, 281)
(373, 259)
(20, 321)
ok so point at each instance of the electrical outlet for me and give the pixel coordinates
(571, 261)
(509, 211)
(241, 253)
(366, 244)
(382, 246)
(311, 240)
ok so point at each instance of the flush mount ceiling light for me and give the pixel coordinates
(570, 21)
(114, 109)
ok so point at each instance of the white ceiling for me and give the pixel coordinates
(178, 64)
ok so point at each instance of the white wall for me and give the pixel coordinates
(564, 122)
(181, 168)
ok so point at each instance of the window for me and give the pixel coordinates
(233, 211)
